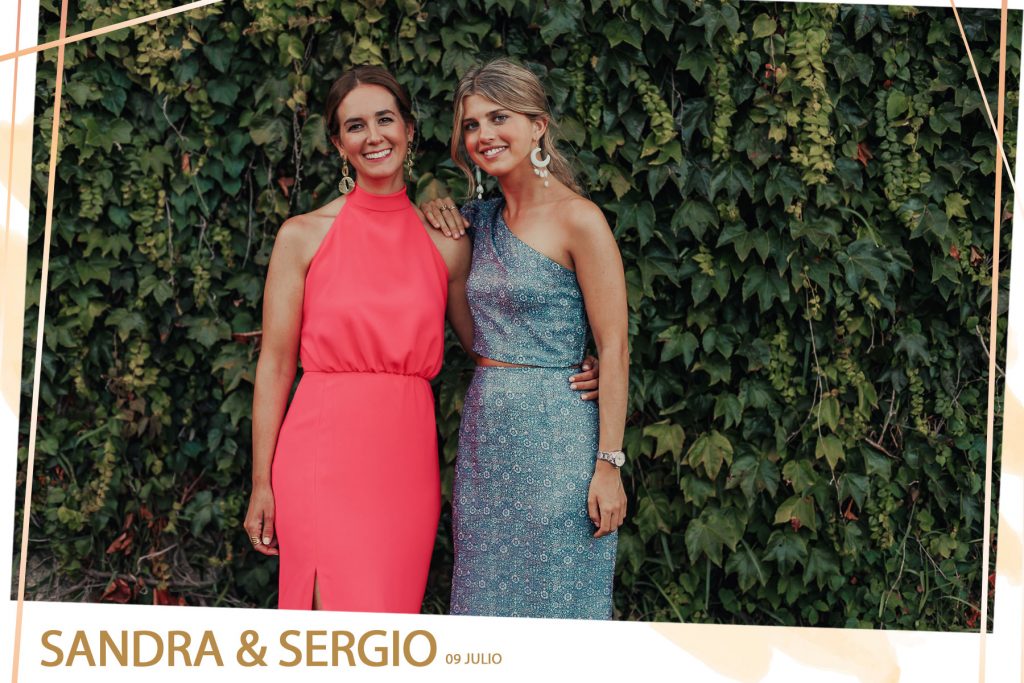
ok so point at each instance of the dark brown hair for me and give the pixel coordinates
(364, 74)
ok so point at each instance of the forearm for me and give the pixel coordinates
(270, 398)
(614, 360)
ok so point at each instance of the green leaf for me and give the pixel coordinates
(828, 411)
(896, 104)
(669, 438)
(854, 486)
(728, 406)
(694, 216)
(219, 53)
(863, 260)
(653, 516)
(830, 448)
(710, 450)
(753, 475)
(696, 490)
(786, 548)
(714, 529)
(207, 332)
(747, 567)
(701, 539)
(877, 465)
(618, 31)
(223, 91)
(800, 475)
(764, 26)
(800, 509)
(561, 18)
(914, 345)
(677, 343)
(956, 205)
(766, 284)
(822, 566)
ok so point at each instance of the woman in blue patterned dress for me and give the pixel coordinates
(538, 496)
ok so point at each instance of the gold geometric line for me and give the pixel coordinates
(10, 159)
(107, 29)
(984, 100)
(997, 220)
(37, 371)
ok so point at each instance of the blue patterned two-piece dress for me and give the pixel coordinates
(524, 543)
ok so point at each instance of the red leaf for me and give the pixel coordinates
(122, 543)
(117, 591)
(795, 523)
(285, 184)
(186, 165)
(863, 154)
(848, 513)
(976, 257)
(162, 596)
(954, 252)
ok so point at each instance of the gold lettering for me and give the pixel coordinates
(310, 647)
(346, 648)
(137, 654)
(107, 642)
(208, 646)
(52, 648)
(80, 646)
(382, 651)
(182, 648)
(407, 650)
(291, 648)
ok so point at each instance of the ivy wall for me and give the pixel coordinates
(803, 196)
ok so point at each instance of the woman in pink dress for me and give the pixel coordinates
(345, 485)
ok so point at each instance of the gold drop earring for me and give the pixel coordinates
(346, 184)
(408, 159)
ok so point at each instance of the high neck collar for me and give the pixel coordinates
(396, 201)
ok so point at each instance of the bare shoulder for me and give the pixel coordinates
(584, 218)
(455, 252)
(301, 235)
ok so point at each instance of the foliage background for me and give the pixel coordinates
(803, 198)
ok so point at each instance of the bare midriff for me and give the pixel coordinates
(491, 363)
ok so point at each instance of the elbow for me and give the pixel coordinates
(275, 366)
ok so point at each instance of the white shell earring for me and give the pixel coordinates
(540, 166)
(479, 185)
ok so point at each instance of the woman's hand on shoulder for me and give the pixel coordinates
(259, 520)
(443, 214)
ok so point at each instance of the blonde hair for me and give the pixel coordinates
(514, 87)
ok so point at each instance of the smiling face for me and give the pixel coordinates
(373, 136)
(498, 139)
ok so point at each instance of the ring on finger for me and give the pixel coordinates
(255, 540)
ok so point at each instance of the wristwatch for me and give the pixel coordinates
(617, 458)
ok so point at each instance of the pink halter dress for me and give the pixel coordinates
(355, 471)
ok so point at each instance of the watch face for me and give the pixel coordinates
(617, 458)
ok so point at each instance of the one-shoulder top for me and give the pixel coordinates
(527, 309)
(375, 292)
